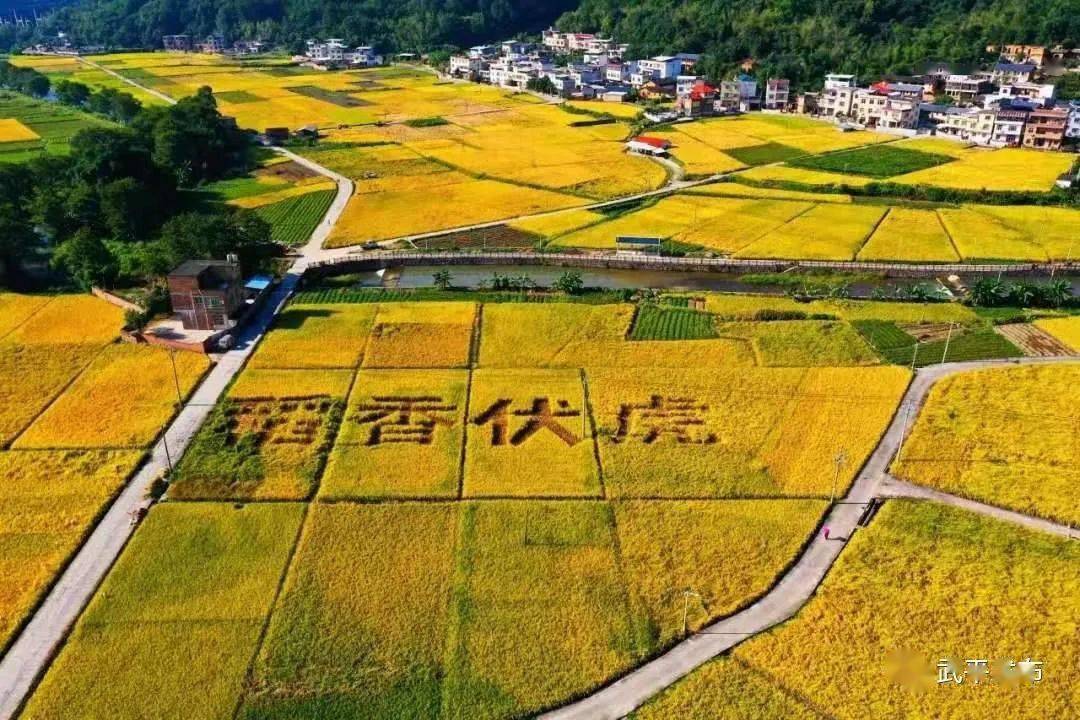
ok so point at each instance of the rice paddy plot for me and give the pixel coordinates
(539, 610)
(432, 334)
(653, 322)
(31, 128)
(907, 235)
(123, 399)
(187, 598)
(48, 502)
(802, 343)
(713, 557)
(1003, 436)
(401, 436)
(517, 335)
(316, 336)
(267, 440)
(529, 435)
(825, 232)
(360, 627)
(881, 606)
(981, 236)
(1003, 169)
(737, 433)
(1065, 330)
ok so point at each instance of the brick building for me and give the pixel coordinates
(206, 294)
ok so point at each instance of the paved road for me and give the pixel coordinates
(894, 487)
(794, 589)
(27, 658)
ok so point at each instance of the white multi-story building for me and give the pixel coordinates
(684, 84)
(965, 89)
(837, 101)
(619, 72)
(1039, 93)
(839, 81)
(364, 56)
(1005, 73)
(975, 125)
(1009, 128)
(464, 66)
(777, 94)
(661, 67)
(877, 109)
(330, 51)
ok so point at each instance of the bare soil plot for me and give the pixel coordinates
(1034, 341)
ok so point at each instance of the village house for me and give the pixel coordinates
(213, 45)
(838, 95)
(1008, 73)
(1009, 128)
(698, 100)
(777, 94)
(206, 294)
(177, 43)
(965, 89)
(1034, 54)
(646, 145)
(975, 125)
(1045, 128)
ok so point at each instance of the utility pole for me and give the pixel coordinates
(948, 337)
(840, 459)
(686, 605)
(176, 379)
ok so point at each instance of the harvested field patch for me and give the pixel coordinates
(341, 99)
(1033, 340)
(499, 237)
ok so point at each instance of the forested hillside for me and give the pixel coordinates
(802, 39)
(389, 24)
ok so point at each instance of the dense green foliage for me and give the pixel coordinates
(112, 208)
(406, 25)
(875, 161)
(804, 39)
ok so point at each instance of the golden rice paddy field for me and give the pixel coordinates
(11, 130)
(918, 587)
(1004, 436)
(496, 507)
(76, 415)
(750, 222)
(1067, 330)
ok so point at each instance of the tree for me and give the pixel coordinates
(70, 92)
(570, 282)
(542, 85)
(988, 292)
(442, 279)
(86, 259)
(204, 235)
(17, 241)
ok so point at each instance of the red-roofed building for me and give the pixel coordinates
(698, 101)
(648, 145)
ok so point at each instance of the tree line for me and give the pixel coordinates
(117, 209)
(391, 25)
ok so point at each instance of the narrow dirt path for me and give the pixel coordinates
(797, 586)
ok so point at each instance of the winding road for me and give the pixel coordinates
(797, 586)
